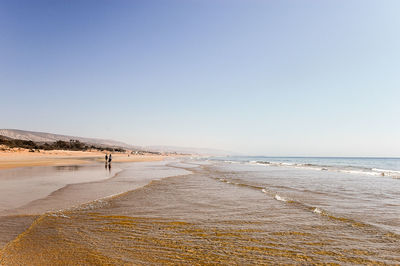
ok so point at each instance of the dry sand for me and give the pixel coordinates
(23, 158)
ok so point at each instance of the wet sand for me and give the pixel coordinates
(197, 217)
(28, 192)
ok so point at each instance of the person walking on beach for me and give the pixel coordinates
(106, 157)
(109, 159)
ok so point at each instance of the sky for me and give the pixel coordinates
(257, 77)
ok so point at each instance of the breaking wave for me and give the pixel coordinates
(389, 167)
(344, 169)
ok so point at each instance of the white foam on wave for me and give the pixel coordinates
(317, 210)
(59, 215)
(348, 169)
(277, 197)
(232, 162)
(358, 172)
(288, 164)
(385, 172)
(226, 181)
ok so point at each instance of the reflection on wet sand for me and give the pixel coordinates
(195, 219)
(28, 192)
(67, 167)
(21, 186)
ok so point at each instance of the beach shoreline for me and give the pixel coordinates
(51, 189)
(23, 158)
(180, 210)
(181, 217)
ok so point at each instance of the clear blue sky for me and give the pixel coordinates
(250, 76)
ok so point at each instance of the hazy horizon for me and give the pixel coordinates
(287, 78)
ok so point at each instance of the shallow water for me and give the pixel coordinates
(374, 200)
(26, 193)
(221, 213)
(21, 186)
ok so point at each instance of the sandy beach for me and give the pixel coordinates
(23, 158)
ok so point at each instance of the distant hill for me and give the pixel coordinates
(48, 137)
(42, 137)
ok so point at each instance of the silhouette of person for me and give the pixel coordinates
(106, 157)
(109, 159)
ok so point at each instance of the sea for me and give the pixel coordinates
(204, 210)
(357, 165)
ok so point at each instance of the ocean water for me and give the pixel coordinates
(364, 189)
(221, 211)
(356, 165)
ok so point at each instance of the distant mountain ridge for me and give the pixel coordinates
(49, 137)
